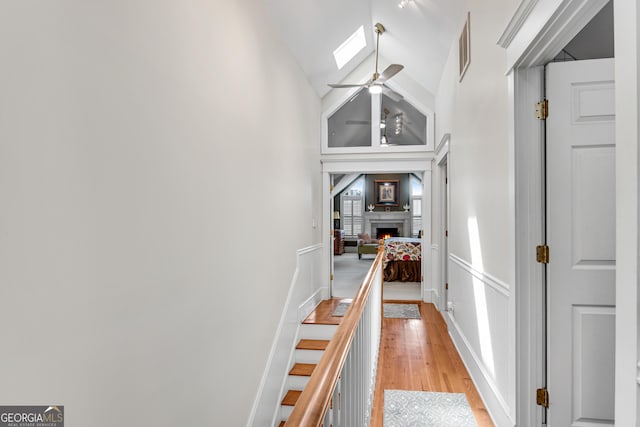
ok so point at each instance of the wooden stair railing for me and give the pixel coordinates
(312, 405)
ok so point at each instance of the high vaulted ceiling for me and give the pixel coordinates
(417, 36)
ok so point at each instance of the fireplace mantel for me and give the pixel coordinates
(399, 219)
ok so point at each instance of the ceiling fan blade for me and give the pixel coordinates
(394, 96)
(348, 85)
(389, 72)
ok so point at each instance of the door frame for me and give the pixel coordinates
(441, 250)
(536, 32)
(420, 164)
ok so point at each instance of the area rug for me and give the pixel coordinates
(401, 311)
(426, 409)
(394, 311)
(341, 309)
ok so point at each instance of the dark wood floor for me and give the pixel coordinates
(418, 354)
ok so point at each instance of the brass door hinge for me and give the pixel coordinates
(542, 397)
(542, 109)
(542, 254)
(332, 277)
(446, 286)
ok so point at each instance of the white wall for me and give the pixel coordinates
(475, 112)
(135, 288)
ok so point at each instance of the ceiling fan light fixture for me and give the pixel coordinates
(375, 89)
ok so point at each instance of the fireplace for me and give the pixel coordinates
(383, 233)
(397, 222)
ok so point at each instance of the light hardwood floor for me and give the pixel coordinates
(418, 354)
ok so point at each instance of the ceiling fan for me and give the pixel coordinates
(376, 84)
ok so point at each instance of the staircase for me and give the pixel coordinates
(316, 331)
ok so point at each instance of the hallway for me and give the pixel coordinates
(415, 354)
(418, 354)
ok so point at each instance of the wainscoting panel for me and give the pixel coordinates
(306, 287)
(479, 325)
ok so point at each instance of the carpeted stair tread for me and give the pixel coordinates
(313, 345)
(302, 369)
(291, 397)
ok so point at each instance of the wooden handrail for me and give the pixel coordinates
(313, 403)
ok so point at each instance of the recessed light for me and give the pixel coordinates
(351, 46)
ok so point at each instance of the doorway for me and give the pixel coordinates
(420, 166)
(526, 62)
(441, 274)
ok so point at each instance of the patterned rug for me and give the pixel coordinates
(341, 309)
(395, 311)
(426, 409)
(401, 311)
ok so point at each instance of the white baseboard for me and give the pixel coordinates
(266, 406)
(432, 296)
(312, 302)
(487, 388)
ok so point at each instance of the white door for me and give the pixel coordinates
(581, 237)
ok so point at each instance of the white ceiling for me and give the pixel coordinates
(418, 36)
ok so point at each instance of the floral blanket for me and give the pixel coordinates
(398, 249)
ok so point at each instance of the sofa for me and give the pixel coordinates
(367, 245)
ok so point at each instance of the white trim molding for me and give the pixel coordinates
(489, 392)
(433, 295)
(390, 163)
(443, 148)
(543, 27)
(306, 286)
(305, 309)
(516, 22)
(527, 141)
(376, 163)
(627, 47)
(479, 325)
(487, 279)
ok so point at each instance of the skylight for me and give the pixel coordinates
(347, 50)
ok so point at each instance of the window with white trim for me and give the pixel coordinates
(352, 208)
(416, 206)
